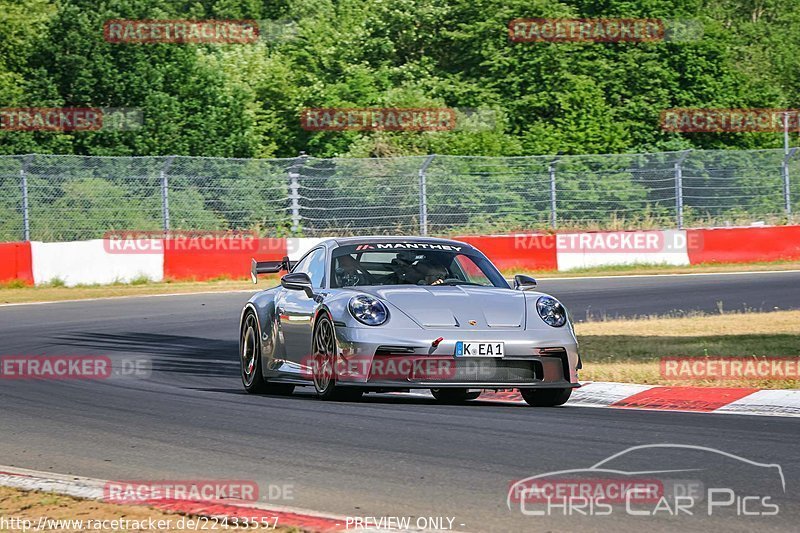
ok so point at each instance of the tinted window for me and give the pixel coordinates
(316, 268)
(314, 265)
(352, 268)
(302, 266)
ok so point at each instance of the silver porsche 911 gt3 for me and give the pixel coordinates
(381, 314)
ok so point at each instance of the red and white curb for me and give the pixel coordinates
(723, 400)
(92, 489)
(694, 399)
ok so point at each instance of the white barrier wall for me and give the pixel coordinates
(88, 262)
(608, 248)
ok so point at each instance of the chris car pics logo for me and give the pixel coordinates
(674, 480)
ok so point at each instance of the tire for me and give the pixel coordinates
(324, 371)
(545, 397)
(250, 361)
(452, 396)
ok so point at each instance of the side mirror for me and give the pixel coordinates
(524, 283)
(298, 281)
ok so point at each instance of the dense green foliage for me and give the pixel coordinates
(244, 100)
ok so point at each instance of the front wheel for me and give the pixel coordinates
(454, 395)
(324, 361)
(545, 397)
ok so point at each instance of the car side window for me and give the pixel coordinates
(314, 265)
(316, 268)
(302, 266)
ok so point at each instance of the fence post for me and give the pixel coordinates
(552, 172)
(294, 190)
(679, 188)
(787, 191)
(165, 192)
(423, 196)
(23, 184)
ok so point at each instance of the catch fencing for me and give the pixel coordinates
(67, 197)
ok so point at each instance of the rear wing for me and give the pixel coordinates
(269, 267)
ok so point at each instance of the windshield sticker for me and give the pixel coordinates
(408, 246)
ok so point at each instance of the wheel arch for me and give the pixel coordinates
(263, 312)
(249, 307)
(322, 311)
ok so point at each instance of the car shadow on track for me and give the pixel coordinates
(306, 394)
(167, 353)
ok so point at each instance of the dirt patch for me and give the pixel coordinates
(55, 512)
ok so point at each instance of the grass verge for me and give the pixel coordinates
(631, 350)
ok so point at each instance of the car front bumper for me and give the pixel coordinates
(388, 359)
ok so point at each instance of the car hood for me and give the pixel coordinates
(456, 306)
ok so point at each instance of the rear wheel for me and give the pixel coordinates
(545, 397)
(250, 359)
(324, 371)
(454, 395)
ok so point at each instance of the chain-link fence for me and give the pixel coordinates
(57, 198)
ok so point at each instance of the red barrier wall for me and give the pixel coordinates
(744, 245)
(191, 260)
(15, 262)
(195, 259)
(509, 252)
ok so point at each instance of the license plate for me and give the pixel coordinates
(480, 349)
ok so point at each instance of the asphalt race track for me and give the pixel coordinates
(384, 456)
(627, 296)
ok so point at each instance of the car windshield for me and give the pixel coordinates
(352, 266)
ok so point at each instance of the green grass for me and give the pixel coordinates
(631, 350)
(140, 280)
(13, 284)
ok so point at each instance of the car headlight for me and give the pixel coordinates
(551, 311)
(368, 310)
